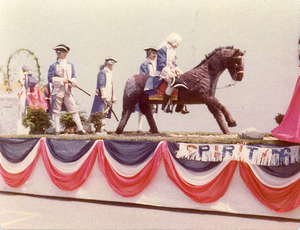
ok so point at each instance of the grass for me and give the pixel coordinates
(184, 137)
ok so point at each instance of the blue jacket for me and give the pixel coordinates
(98, 104)
(144, 68)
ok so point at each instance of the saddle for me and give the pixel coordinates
(155, 87)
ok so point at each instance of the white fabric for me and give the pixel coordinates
(77, 120)
(152, 67)
(69, 167)
(19, 167)
(273, 181)
(107, 91)
(198, 178)
(127, 170)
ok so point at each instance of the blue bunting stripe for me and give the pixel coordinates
(198, 178)
(72, 166)
(18, 167)
(272, 181)
(15, 150)
(130, 152)
(68, 150)
(281, 171)
(186, 157)
(128, 170)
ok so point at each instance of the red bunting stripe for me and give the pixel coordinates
(17, 179)
(206, 193)
(278, 199)
(129, 186)
(69, 181)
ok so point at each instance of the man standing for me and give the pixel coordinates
(148, 67)
(104, 89)
(61, 75)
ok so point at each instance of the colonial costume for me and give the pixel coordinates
(166, 65)
(104, 89)
(59, 73)
(148, 67)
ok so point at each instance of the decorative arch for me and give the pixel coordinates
(7, 73)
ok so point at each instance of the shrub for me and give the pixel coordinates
(67, 122)
(279, 118)
(38, 120)
(96, 119)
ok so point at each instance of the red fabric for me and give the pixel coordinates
(278, 199)
(129, 186)
(69, 181)
(36, 99)
(17, 179)
(289, 128)
(207, 193)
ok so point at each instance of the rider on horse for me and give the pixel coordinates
(167, 68)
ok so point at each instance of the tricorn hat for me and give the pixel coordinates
(62, 47)
(110, 60)
(151, 48)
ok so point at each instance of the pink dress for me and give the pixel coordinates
(289, 128)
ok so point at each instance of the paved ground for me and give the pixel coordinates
(26, 212)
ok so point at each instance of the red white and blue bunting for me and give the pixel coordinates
(202, 171)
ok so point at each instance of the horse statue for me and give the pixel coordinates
(201, 82)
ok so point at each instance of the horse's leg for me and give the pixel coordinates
(147, 111)
(125, 116)
(219, 118)
(213, 101)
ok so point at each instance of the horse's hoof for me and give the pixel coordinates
(232, 124)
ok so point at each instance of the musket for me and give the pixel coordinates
(75, 86)
(79, 88)
(113, 112)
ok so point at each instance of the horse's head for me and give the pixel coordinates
(235, 65)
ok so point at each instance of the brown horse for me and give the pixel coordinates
(202, 83)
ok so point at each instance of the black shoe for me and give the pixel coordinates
(82, 132)
(185, 111)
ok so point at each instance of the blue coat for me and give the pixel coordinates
(161, 59)
(51, 73)
(98, 104)
(144, 68)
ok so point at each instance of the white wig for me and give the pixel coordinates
(174, 39)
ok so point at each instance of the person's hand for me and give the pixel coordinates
(65, 81)
(115, 101)
(73, 84)
(104, 99)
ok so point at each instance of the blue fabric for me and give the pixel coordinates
(130, 152)
(16, 150)
(161, 59)
(68, 150)
(151, 85)
(144, 68)
(98, 103)
(51, 73)
(195, 166)
(282, 171)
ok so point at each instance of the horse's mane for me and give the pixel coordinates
(208, 56)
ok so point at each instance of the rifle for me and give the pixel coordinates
(75, 86)
(113, 112)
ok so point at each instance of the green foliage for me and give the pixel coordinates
(96, 119)
(66, 119)
(38, 120)
(279, 118)
(7, 79)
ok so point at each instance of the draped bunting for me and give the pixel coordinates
(130, 181)
(203, 172)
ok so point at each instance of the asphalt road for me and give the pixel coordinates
(28, 212)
